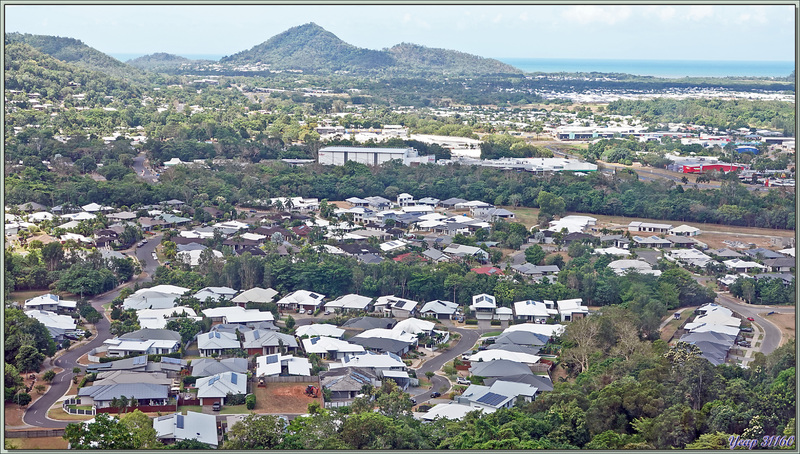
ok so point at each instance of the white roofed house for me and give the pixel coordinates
(284, 365)
(483, 306)
(439, 309)
(741, 266)
(684, 230)
(572, 309)
(265, 342)
(101, 396)
(238, 315)
(405, 199)
(217, 343)
(392, 306)
(158, 297)
(531, 311)
(351, 302)
(637, 226)
(462, 250)
(192, 426)
(216, 387)
(319, 329)
(58, 325)
(50, 302)
(151, 342)
(301, 299)
(502, 394)
(256, 295)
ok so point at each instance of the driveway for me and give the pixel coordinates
(36, 414)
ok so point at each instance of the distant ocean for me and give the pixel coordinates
(656, 68)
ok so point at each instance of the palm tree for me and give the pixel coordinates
(123, 404)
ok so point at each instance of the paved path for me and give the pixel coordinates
(36, 414)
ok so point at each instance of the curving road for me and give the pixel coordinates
(142, 170)
(468, 339)
(772, 334)
(36, 414)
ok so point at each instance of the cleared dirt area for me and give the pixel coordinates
(38, 443)
(13, 412)
(284, 398)
(785, 322)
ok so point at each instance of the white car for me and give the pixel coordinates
(463, 381)
(301, 311)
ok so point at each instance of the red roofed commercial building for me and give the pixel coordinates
(488, 270)
(701, 168)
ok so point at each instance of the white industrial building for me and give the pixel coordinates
(372, 156)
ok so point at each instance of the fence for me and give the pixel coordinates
(34, 433)
(76, 411)
(338, 404)
(290, 379)
(96, 359)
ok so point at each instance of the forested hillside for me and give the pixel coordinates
(162, 62)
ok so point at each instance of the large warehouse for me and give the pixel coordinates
(372, 156)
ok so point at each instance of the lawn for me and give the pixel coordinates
(492, 333)
(195, 408)
(673, 325)
(49, 443)
(234, 410)
(59, 414)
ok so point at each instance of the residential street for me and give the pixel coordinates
(36, 414)
(772, 335)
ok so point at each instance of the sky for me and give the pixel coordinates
(632, 32)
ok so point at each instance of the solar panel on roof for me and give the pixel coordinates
(234, 378)
(492, 399)
(217, 334)
(314, 340)
(180, 422)
(139, 360)
(210, 335)
(272, 359)
(167, 359)
(256, 334)
(313, 295)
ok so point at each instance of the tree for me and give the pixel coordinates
(580, 337)
(28, 359)
(140, 426)
(106, 432)
(22, 399)
(550, 204)
(12, 381)
(256, 432)
(190, 444)
(49, 375)
(534, 254)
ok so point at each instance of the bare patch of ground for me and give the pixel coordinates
(284, 398)
(784, 322)
(50, 443)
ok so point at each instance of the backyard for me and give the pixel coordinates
(289, 398)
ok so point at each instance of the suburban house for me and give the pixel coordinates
(152, 334)
(217, 343)
(158, 318)
(572, 223)
(350, 302)
(499, 368)
(144, 393)
(780, 265)
(283, 365)
(364, 323)
(483, 306)
(370, 360)
(531, 311)
(461, 250)
(346, 383)
(319, 329)
(59, 326)
(741, 266)
(392, 306)
(572, 309)
(51, 303)
(256, 295)
(171, 366)
(449, 410)
(301, 299)
(637, 226)
(383, 340)
(405, 199)
(116, 377)
(192, 426)
(714, 346)
(266, 342)
(158, 297)
(652, 241)
(206, 367)
(119, 347)
(684, 230)
(439, 309)
(762, 253)
(330, 348)
(238, 315)
(215, 293)
(214, 388)
(510, 354)
(620, 267)
(501, 394)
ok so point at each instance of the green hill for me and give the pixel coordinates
(447, 61)
(31, 71)
(311, 48)
(74, 51)
(162, 62)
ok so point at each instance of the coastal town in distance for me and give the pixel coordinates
(331, 241)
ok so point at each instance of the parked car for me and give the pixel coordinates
(301, 311)
(327, 312)
(216, 406)
(463, 381)
(743, 344)
(746, 329)
(414, 401)
(751, 319)
(436, 394)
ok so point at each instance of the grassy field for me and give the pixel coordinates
(49, 443)
(673, 325)
(59, 414)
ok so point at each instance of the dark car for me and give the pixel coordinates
(414, 401)
(747, 329)
(216, 406)
(436, 394)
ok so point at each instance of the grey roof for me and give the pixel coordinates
(152, 334)
(440, 307)
(451, 201)
(515, 348)
(370, 259)
(137, 390)
(231, 328)
(191, 247)
(542, 382)
(366, 323)
(499, 368)
(725, 253)
(258, 338)
(347, 378)
(766, 253)
(787, 277)
(206, 367)
(380, 344)
(783, 261)
(521, 338)
(434, 254)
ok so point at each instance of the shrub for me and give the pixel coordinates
(495, 322)
(22, 399)
(49, 375)
(471, 321)
(189, 380)
(250, 401)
